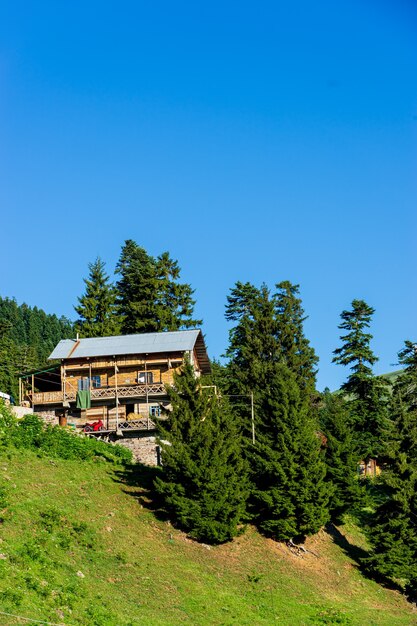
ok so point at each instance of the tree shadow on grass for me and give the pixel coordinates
(141, 478)
(356, 553)
(359, 555)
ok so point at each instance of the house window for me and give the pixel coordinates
(96, 382)
(145, 377)
(83, 384)
(155, 411)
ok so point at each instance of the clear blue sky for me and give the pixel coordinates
(254, 141)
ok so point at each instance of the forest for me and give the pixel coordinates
(290, 466)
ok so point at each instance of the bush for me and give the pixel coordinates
(53, 441)
(7, 423)
(27, 433)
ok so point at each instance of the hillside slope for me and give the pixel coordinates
(80, 546)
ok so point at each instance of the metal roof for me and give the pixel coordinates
(146, 343)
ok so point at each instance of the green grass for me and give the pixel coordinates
(391, 377)
(80, 546)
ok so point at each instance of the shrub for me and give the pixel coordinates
(7, 423)
(53, 441)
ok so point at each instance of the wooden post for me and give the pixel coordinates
(147, 395)
(33, 391)
(63, 382)
(20, 392)
(116, 394)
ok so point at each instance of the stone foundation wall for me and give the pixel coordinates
(21, 411)
(49, 417)
(144, 449)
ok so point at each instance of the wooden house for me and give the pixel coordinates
(368, 468)
(119, 380)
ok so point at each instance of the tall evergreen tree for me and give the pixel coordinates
(97, 310)
(356, 351)
(137, 290)
(268, 330)
(9, 369)
(290, 493)
(150, 298)
(296, 351)
(393, 528)
(253, 349)
(368, 393)
(175, 303)
(407, 381)
(270, 357)
(217, 376)
(340, 455)
(203, 482)
(252, 342)
(27, 337)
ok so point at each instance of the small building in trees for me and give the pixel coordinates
(368, 468)
(118, 381)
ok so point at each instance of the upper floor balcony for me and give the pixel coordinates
(149, 390)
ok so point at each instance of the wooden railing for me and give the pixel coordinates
(47, 397)
(102, 393)
(128, 392)
(142, 423)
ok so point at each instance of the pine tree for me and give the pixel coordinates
(268, 330)
(217, 376)
(150, 298)
(270, 357)
(252, 345)
(203, 483)
(97, 306)
(10, 366)
(297, 353)
(290, 493)
(175, 304)
(407, 381)
(340, 457)
(27, 337)
(253, 349)
(356, 351)
(368, 393)
(137, 290)
(393, 528)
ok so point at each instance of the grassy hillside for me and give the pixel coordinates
(80, 545)
(391, 377)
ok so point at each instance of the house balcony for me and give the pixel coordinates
(101, 393)
(116, 426)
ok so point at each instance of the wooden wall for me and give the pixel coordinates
(162, 368)
(136, 361)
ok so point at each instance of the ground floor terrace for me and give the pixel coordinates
(109, 407)
(109, 416)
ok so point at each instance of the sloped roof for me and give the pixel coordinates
(146, 343)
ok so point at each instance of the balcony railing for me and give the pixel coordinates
(101, 393)
(111, 425)
(46, 397)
